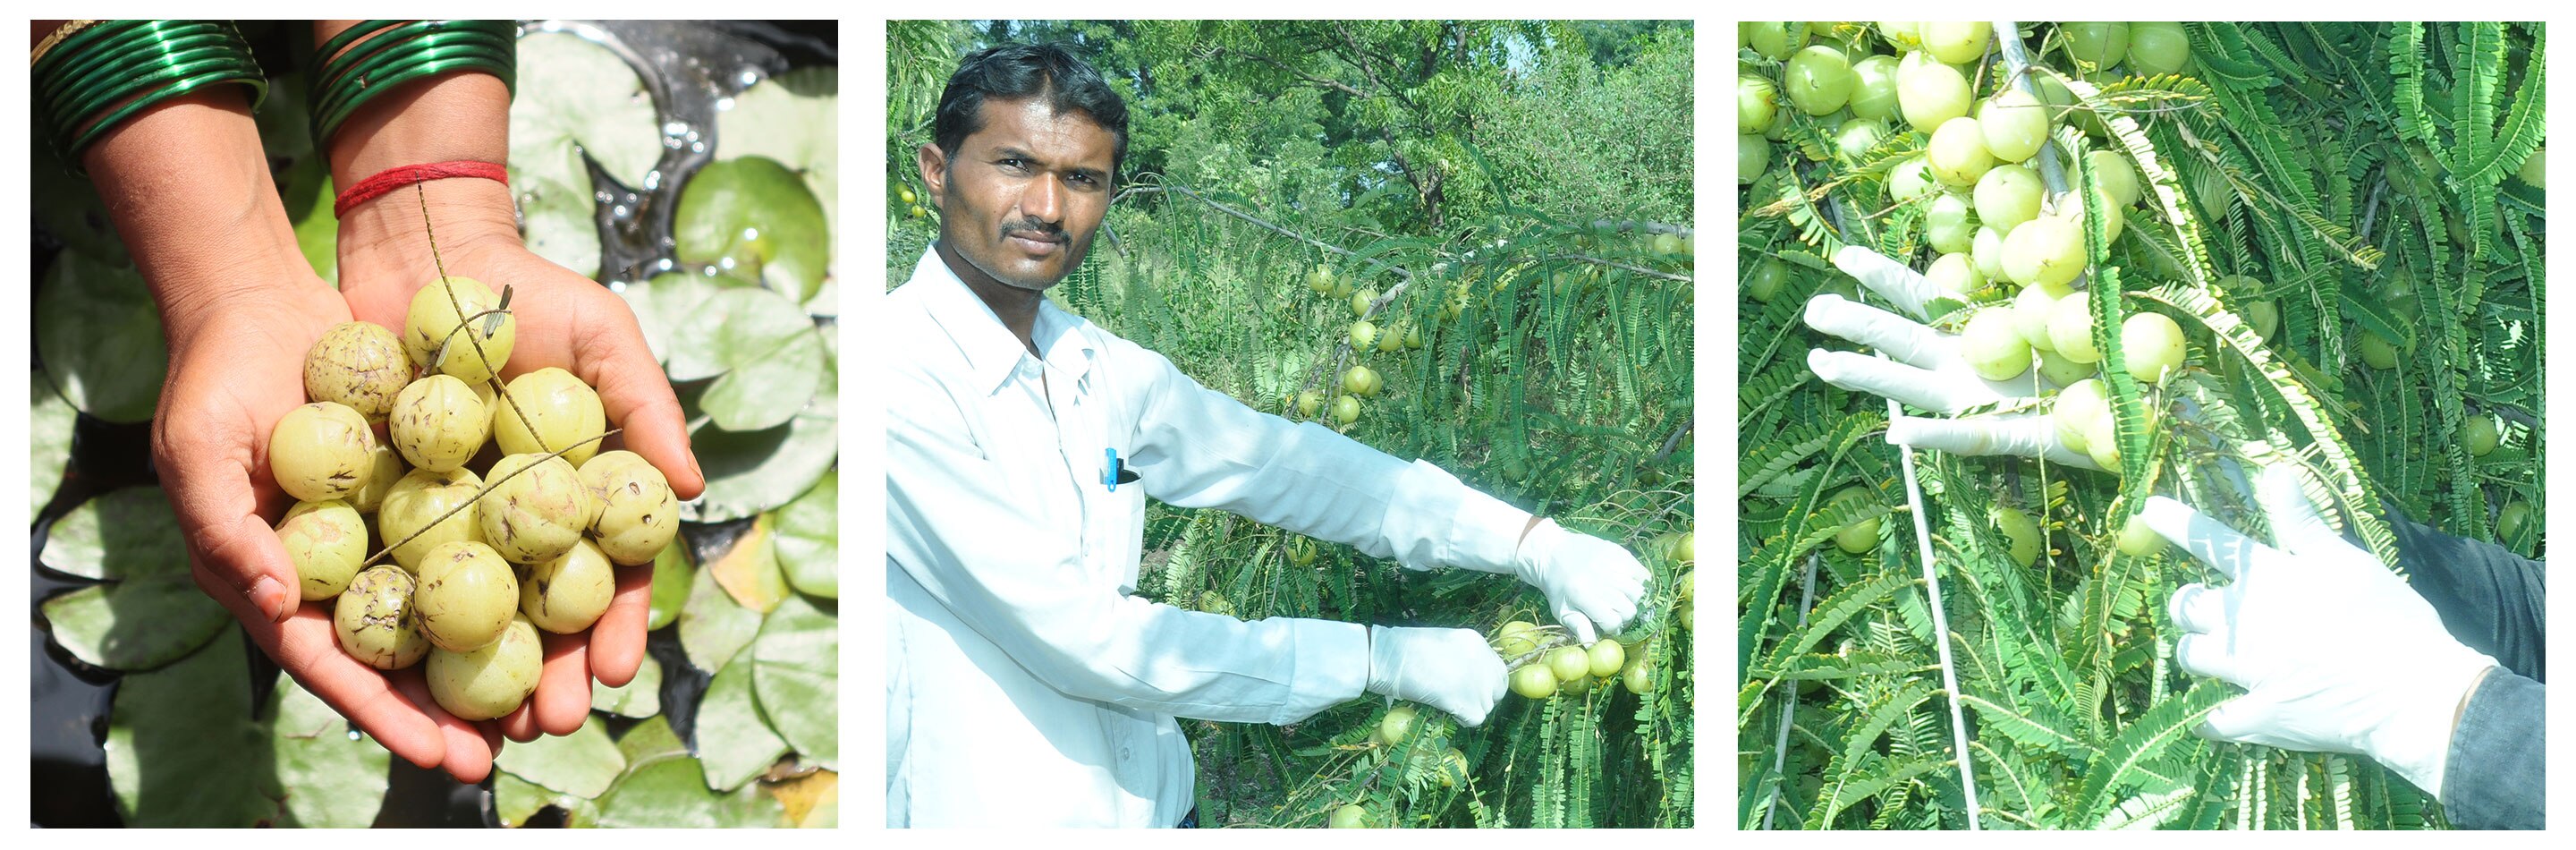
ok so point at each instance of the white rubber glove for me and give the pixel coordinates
(1588, 581)
(1453, 670)
(1923, 369)
(2335, 653)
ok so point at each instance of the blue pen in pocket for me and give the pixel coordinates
(1114, 473)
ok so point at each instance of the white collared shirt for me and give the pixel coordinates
(1027, 684)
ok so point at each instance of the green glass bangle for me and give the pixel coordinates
(394, 53)
(97, 78)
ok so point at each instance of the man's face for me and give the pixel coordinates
(1023, 197)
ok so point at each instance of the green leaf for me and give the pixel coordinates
(794, 118)
(99, 337)
(651, 740)
(332, 779)
(306, 190)
(754, 217)
(582, 764)
(748, 572)
(671, 792)
(72, 211)
(150, 612)
(50, 423)
(768, 390)
(672, 575)
(182, 750)
(556, 221)
(664, 302)
(515, 800)
(641, 697)
(796, 673)
(809, 538)
(763, 346)
(733, 742)
(712, 626)
(753, 471)
(572, 92)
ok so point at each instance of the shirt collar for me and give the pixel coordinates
(992, 353)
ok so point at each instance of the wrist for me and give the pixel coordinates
(2414, 741)
(188, 189)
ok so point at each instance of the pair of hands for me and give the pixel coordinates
(2335, 652)
(1587, 581)
(236, 367)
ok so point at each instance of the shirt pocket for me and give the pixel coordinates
(1118, 529)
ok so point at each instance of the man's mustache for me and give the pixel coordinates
(1036, 229)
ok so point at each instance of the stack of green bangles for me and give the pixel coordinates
(387, 54)
(98, 77)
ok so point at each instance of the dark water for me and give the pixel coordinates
(688, 67)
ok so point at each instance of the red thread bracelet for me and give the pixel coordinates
(405, 175)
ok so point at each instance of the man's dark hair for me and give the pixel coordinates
(1019, 71)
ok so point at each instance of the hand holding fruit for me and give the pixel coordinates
(1589, 582)
(1927, 368)
(1453, 670)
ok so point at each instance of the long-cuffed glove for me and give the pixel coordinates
(2335, 653)
(1453, 670)
(1589, 581)
(1923, 369)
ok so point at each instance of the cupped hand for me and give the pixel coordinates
(236, 367)
(1923, 368)
(566, 321)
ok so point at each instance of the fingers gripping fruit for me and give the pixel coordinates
(326, 541)
(567, 594)
(467, 595)
(377, 622)
(358, 364)
(439, 337)
(421, 499)
(321, 451)
(485, 683)
(549, 411)
(438, 423)
(536, 515)
(637, 514)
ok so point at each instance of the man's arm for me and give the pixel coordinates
(952, 528)
(2498, 763)
(2491, 599)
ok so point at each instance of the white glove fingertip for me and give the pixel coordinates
(2234, 720)
(1577, 626)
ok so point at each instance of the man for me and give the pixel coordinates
(2335, 652)
(1026, 682)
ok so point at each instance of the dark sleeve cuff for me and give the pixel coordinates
(2495, 778)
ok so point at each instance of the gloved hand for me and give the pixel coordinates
(1453, 670)
(1588, 581)
(1924, 369)
(2336, 653)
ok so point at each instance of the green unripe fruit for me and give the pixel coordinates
(1757, 104)
(358, 364)
(2137, 540)
(1854, 139)
(2076, 412)
(2031, 308)
(2007, 197)
(1392, 729)
(467, 595)
(547, 411)
(491, 681)
(1766, 280)
(1955, 42)
(2535, 169)
(1391, 341)
(2116, 176)
(2510, 521)
(1639, 677)
(1930, 93)
(1858, 538)
(2479, 435)
(1363, 335)
(1988, 248)
(2062, 372)
(2014, 124)
(2070, 327)
(1320, 280)
(1752, 156)
(1874, 88)
(636, 514)
(2023, 534)
(1958, 153)
(438, 423)
(1346, 410)
(2152, 345)
(1607, 657)
(1777, 39)
(2157, 47)
(1308, 402)
(1992, 347)
(1348, 817)
(2264, 316)
(440, 338)
(1361, 301)
(1361, 381)
(321, 451)
(1947, 224)
(1516, 638)
(1911, 179)
(326, 541)
(1568, 663)
(533, 516)
(567, 594)
(2046, 250)
(1819, 80)
(2103, 43)
(1534, 681)
(376, 621)
(423, 497)
(1955, 274)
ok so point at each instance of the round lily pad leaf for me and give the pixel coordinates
(813, 800)
(767, 390)
(731, 327)
(665, 301)
(516, 800)
(796, 673)
(793, 118)
(582, 764)
(809, 538)
(72, 211)
(650, 741)
(734, 742)
(572, 93)
(670, 792)
(330, 778)
(99, 337)
(50, 423)
(753, 471)
(753, 217)
(555, 221)
(712, 627)
(672, 574)
(748, 571)
(641, 697)
(182, 750)
(149, 612)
